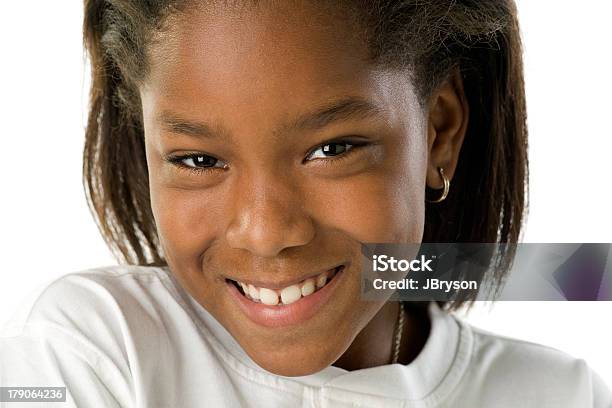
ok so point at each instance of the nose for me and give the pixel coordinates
(269, 216)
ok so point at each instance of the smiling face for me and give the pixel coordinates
(273, 151)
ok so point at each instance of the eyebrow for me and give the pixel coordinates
(342, 110)
(345, 109)
(175, 124)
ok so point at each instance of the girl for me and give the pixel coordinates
(237, 155)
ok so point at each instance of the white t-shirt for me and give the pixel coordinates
(132, 337)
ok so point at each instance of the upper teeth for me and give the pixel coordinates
(289, 294)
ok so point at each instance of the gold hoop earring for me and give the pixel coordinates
(446, 187)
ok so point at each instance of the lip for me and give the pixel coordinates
(291, 314)
(283, 284)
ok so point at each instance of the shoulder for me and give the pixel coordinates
(494, 350)
(511, 369)
(115, 333)
(101, 291)
(110, 328)
(106, 308)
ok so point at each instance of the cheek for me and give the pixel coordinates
(187, 220)
(383, 206)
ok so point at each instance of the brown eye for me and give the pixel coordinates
(330, 150)
(199, 161)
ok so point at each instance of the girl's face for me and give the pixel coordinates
(273, 152)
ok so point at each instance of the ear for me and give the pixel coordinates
(447, 124)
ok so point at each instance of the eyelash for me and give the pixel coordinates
(330, 160)
(178, 161)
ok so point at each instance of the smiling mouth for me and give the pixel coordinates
(288, 295)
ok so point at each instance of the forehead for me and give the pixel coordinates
(269, 62)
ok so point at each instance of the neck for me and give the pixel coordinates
(373, 346)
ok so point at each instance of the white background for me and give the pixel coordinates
(46, 229)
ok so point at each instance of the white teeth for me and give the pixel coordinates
(268, 296)
(321, 280)
(287, 295)
(308, 287)
(291, 294)
(253, 292)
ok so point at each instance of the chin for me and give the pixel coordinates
(296, 361)
(289, 368)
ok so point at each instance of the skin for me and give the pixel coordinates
(229, 84)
